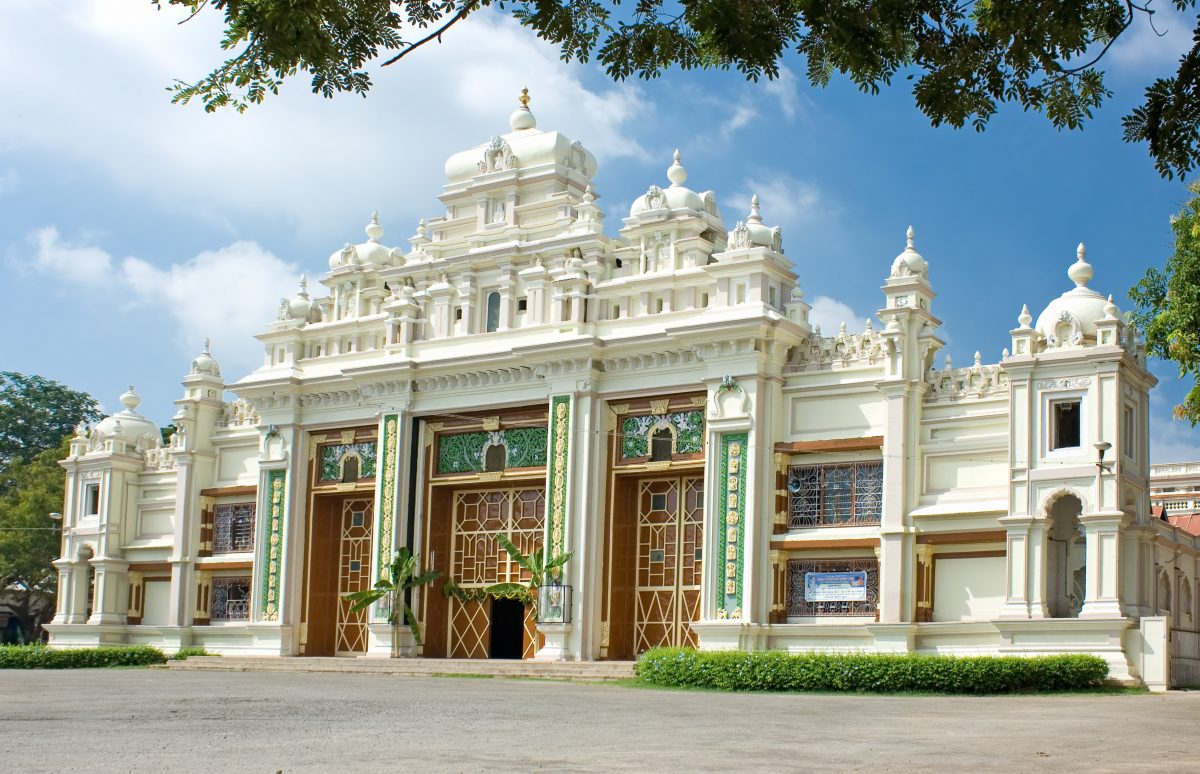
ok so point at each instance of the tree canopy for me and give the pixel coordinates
(29, 539)
(963, 59)
(35, 415)
(1168, 305)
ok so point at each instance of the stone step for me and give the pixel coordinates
(582, 671)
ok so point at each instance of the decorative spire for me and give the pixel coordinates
(521, 118)
(374, 230)
(588, 196)
(1080, 271)
(947, 361)
(911, 236)
(1110, 309)
(207, 351)
(755, 216)
(1024, 318)
(303, 286)
(978, 359)
(130, 399)
(676, 173)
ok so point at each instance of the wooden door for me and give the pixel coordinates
(669, 562)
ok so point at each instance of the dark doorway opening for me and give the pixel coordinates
(508, 629)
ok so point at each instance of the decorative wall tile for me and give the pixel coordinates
(386, 511)
(732, 502)
(556, 484)
(465, 452)
(272, 554)
(331, 459)
(688, 426)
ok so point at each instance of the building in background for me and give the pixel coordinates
(656, 402)
(1175, 494)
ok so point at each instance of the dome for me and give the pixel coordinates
(524, 147)
(204, 363)
(128, 424)
(910, 262)
(1072, 317)
(371, 251)
(674, 197)
(752, 232)
(300, 305)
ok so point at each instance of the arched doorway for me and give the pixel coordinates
(1066, 558)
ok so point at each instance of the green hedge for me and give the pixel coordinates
(40, 657)
(183, 654)
(868, 672)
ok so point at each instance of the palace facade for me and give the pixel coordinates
(724, 473)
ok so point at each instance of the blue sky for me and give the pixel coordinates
(130, 228)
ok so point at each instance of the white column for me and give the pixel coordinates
(1102, 598)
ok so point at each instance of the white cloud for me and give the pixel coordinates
(9, 179)
(741, 116)
(310, 161)
(226, 294)
(1146, 46)
(785, 91)
(785, 200)
(75, 262)
(828, 314)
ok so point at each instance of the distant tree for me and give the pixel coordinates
(1168, 305)
(964, 59)
(29, 539)
(36, 414)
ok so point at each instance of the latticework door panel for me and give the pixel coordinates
(479, 561)
(354, 573)
(469, 629)
(669, 541)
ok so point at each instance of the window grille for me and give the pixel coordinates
(799, 606)
(844, 494)
(230, 599)
(233, 528)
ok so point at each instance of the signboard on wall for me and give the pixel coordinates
(835, 586)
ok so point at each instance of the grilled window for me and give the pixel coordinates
(230, 599)
(863, 600)
(233, 528)
(843, 494)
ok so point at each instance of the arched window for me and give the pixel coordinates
(661, 443)
(1164, 594)
(495, 458)
(493, 312)
(349, 469)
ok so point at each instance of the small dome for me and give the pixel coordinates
(525, 147)
(910, 262)
(128, 424)
(674, 197)
(752, 232)
(300, 304)
(1072, 317)
(521, 119)
(371, 251)
(205, 363)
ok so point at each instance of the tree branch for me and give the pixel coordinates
(455, 19)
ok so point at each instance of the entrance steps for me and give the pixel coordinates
(575, 671)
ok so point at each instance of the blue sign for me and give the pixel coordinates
(835, 586)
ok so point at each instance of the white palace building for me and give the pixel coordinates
(657, 402)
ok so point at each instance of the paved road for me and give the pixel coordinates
(156, 720)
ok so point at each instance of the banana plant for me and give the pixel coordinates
(540, 569)
(402, 575)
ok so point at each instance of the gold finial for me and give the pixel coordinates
(524, 98)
